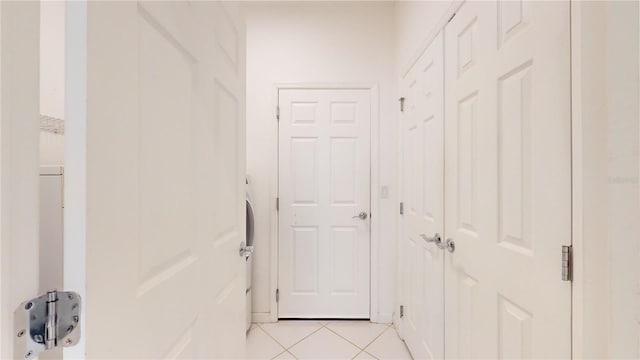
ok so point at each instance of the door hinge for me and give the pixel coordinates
(451, 18)
(278, 113)
(567, 262)
(401, 104)
(401, 208)
(46, 322)
(278, 204)
(401, 311)
(277, 295)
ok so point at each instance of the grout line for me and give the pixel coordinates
(347, 340)
(272, 338)
(376, 338)
(294, 344)
(362, 350)
(304, 338)
(387, 326)
(278, 355)
(285, 352)
(368, 353)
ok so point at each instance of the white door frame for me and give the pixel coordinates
(375, 183)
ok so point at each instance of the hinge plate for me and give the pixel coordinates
(401, 311)
(401, 104)
(567, 262)
(401, 208)
(277, 295)
(277, 204)
(278, 113)
(46, 322)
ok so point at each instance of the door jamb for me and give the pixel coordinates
(374, 145)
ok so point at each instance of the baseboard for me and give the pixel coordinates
(261, 317)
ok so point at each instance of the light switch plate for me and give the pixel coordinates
(384, 192)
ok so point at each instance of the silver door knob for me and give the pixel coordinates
(361, 216)
(451, 245)
(436, 239)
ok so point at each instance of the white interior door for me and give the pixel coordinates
(423, 194)
(508, 180)
(324, 181)
(19, 162)
(155, 178)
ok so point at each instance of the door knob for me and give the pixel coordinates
(434, 239)
(451, 245)
(361, 216)
(245, 251)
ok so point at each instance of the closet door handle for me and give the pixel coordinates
(361, 216)
(451, 245)
(434, 239)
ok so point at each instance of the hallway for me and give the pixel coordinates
(353, 339)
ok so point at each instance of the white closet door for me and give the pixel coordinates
(324, 181)
(508, 180)
(156, 195)
(423, 194)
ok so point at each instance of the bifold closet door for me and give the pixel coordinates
(422, 187)
(508, 180)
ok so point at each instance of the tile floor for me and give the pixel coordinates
(325, 340)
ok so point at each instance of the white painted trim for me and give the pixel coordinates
(374, 295)
(75, 153)
(577, 319)
(273, 216)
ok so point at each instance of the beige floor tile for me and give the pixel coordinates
(324, 344)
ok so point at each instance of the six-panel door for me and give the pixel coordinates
(324, 181)
(508, 180)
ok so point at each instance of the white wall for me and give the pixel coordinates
(609, 233)
(623, 188)
(320, 42)
(606, 179)
(52, 58)
(52, 48)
